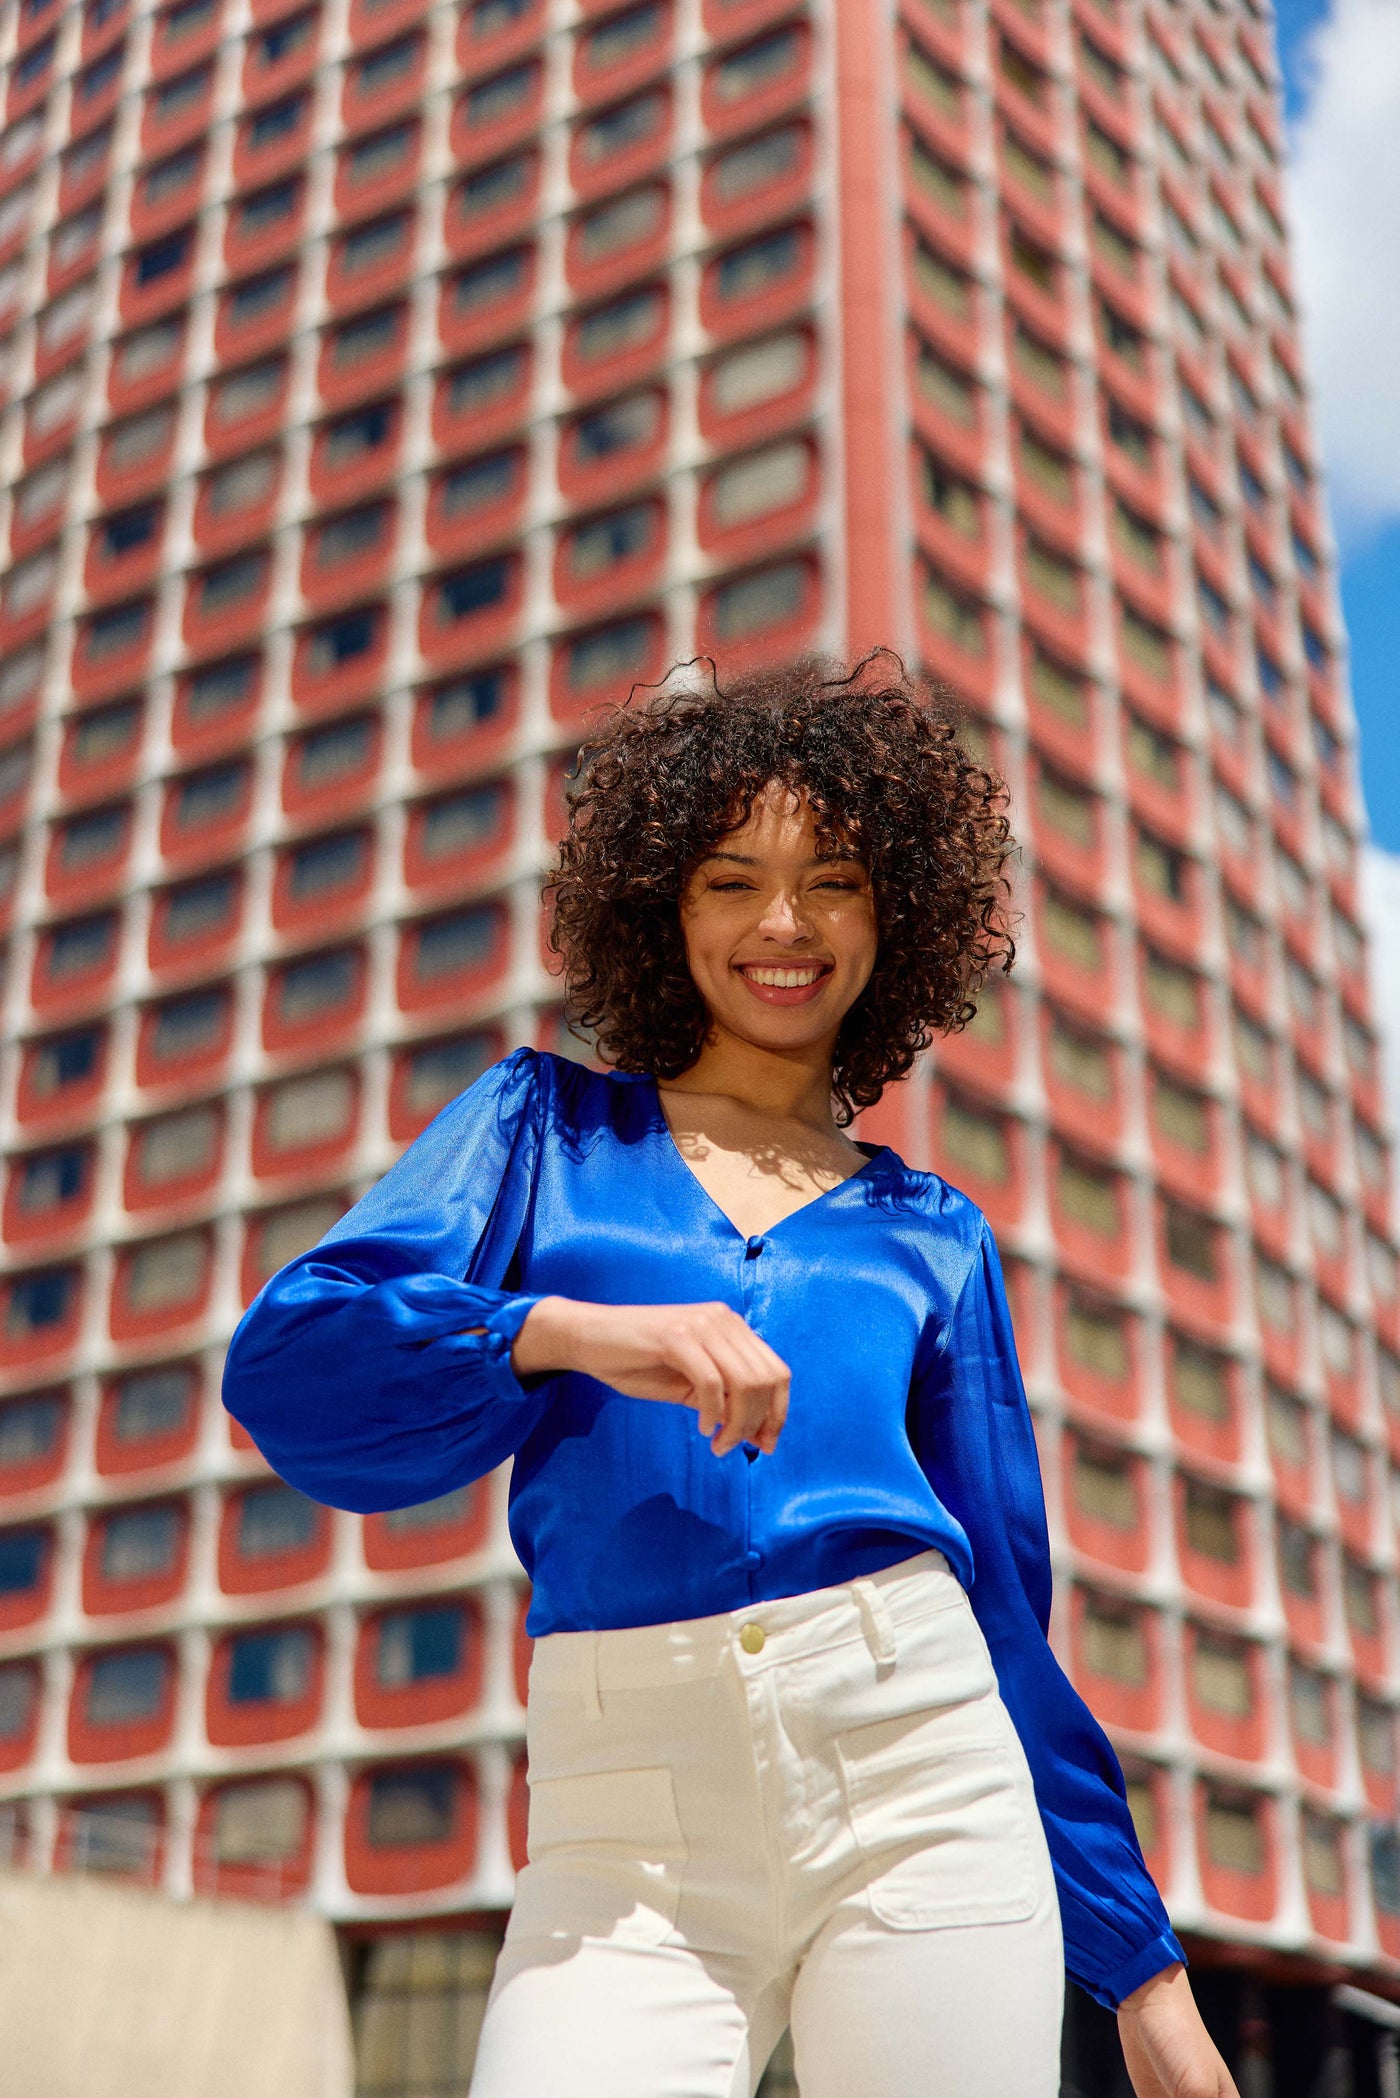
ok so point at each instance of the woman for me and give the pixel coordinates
(799, 1750)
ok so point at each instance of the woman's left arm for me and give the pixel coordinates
(971, 1429)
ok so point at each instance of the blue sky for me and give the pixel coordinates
(1371, 556)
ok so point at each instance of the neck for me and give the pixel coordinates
(791, 1085)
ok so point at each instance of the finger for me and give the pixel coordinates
(772, 1378)
(706, 1381)
(748, 1393)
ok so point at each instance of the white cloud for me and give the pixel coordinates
(1345, 192)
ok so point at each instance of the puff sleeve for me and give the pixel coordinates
(374, 1370)
(971, 1430)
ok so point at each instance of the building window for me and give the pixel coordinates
(480, 483)
(139, 1543)
(31, 1430)
(341, 641)
(416, 1646)
(624, 222)
(1096, 1337)
(456, 708)
(492, 188)
(187, 1026)
(480, 588)
(622, 37)
(153, 1405)
(759, 372)
(198, 910)
(114, 1835)
(168, 1274)
(66, 1060)
(229, 584)
(369, 159)
(445, 946)
(243, 484)
(1297, 1560)
(1088, 1194)
(322, 984)
(436, 1074)
(24, 1556)
(176, 1147)
(324, 865)
(351, 535)
(339, 751)
(271, 1667)
(1115, 1640)
(19, 1698)
(460, 822)
(624, 324)
(1103, 1485)
(975, 1140)
(621, 129)
(276, 1519)
(604, 542)
(1199, 1380)
(1212, 1522)
(757, 66)
(47, 1180)
(39, 1303)
(266, 209)
(1191, 1241)
(252, 391)
(353, 437)
(503, 96)
(414, 1805)
(284, 1233)
(126, 1686)
(758, 164)
(769, 597)
(367, 247)
(448, 1511)
(263, 1821)
(745, 272)
(1221, 1674)
(486, 381)
(1234, 1835)
(609, 654)
(368, 335)
(302, 1112)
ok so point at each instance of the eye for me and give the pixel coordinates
(733, 882)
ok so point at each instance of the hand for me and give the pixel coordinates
(1167, 2049)
(700, 1355)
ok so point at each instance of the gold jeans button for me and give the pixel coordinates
(752, 1637)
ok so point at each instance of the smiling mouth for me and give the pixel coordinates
(791, 983)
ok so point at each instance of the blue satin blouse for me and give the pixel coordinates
(355, 1373)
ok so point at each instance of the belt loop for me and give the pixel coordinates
(879, 1626)
(592, 1696)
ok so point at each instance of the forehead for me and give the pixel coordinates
(780, 820)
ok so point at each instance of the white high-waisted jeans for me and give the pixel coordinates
(835, 1831)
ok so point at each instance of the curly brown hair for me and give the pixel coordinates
(876, 752)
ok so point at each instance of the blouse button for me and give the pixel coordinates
(752, 1638)
(753, 1249)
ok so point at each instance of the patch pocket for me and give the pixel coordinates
(607, 1856)
(941, 1807)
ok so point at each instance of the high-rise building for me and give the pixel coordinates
(386, 383)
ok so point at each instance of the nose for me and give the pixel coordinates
(784, 919)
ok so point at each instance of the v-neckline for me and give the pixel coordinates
(877, 1155)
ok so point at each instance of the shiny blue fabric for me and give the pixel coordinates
(374, 1372)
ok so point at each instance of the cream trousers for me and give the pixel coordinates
(812, 1812)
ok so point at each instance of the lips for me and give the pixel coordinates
(791, 983)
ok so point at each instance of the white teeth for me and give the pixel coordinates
(783, 979)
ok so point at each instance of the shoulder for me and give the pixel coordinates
(566, 1097)
(944, 1227)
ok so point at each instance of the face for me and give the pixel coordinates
(780, 940)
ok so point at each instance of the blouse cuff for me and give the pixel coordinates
(494, 1338)
(1163, 1952)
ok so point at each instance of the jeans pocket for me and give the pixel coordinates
(607, 1855)
(942, 1811)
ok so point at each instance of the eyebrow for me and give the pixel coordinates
(820, 859)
